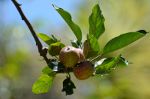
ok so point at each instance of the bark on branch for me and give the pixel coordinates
(42, 51)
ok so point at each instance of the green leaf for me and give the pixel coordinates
(96, 22)
(91, 47)
(88, 50)
(68, 19)
(43, 84)
(122, 62)
(55, 48)
(56, 66)
(94, 43)
(107, 65)
(76, 44)
(54, 38)
(48, 40)
(122, 41)
(48, 71)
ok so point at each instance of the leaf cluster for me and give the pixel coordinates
(91, 48)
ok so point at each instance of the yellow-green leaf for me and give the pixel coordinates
(43, 84)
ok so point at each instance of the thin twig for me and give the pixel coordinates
(96, 58)
(38, 43)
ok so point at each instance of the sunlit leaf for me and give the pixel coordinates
(48, 71)
(47, 39)
(43, 84)
(68, 19)
(107, 65)
(122, 41)
(96, 22)
(94, 43)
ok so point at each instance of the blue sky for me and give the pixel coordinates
(38, 9)
(35, 10)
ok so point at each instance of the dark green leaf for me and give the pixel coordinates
(107, 65)
(43, 84)
(56, 66)
(122, 62)
(68, 86)
(48, 40)
(96, 22)
(55, 48)
(122, 41)
(142, 31)
(68, 19)
(76, 44)
(54, 38)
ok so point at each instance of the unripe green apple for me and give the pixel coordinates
(69, 56)
(83, 70)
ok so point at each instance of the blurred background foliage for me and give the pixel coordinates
(20, 63)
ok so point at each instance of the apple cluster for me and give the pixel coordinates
(74, 58)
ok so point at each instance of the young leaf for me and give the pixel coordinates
(48, 71)
(96, 22)
(107, 65)
(43, 84)
(48, 40)
(122, 41)
(68, 19)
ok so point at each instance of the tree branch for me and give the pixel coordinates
(38, 43)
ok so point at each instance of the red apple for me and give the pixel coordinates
(83, 70)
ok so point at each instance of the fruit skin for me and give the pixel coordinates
(69, 56)
(81, 55)
(84, 70)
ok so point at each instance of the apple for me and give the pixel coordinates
(81, 55)
(69, 56)
(83, 70)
